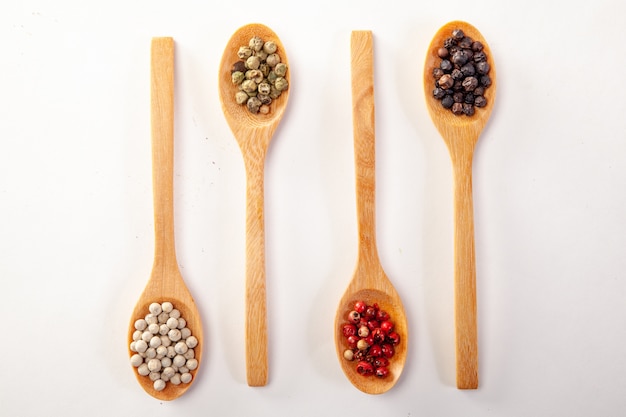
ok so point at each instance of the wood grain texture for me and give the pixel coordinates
(369, 282)
(165, 283)
(461, 134)
(253, 133)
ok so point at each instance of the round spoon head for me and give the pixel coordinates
(389, 301)
(182, 300)
(239, 118)
(450, 125)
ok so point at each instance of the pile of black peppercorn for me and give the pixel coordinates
(462, 75)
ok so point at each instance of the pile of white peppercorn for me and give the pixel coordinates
(163, 347)
(260, 75)
(462, 75)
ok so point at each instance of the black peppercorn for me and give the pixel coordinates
(447, 101)
(457, 108)
(468, 69)
(459, 58)
(482, 67)
(446, 81)
(462, 76)
(439, 93)
(457, 74)
(437, 73)
(480, 101)
(470, 83)
(468, 109)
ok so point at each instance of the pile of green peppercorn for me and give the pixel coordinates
(260, 75)
(462, 75)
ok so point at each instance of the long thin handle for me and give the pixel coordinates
(465, 274)
(162, 126)
(256, 308)
(363, 121)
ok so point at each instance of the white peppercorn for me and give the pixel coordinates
(191, 364)
(141, 346)
(181, 348)
(151, 318)
(151, 353)
(154, 365)
(174, 335)
(155, 342)
(179, 360)
(136, 360)
(155, 308)
(191, 342)
(175, 379)
(143, 369)
(172, 323)
(190, 354)
(160, 348)
(185, 378)
(141, 324)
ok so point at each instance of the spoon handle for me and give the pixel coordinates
(362, 68)
(162, 127)
(465, 274)
(256, 308)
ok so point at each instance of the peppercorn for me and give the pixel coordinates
(447, 102)
(239, 66)
(461, 77)
(446, 81)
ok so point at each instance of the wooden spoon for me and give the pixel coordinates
(253, 133)
(369, 282)
(166, 282)
(460, 134)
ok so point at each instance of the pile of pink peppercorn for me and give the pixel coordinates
(371, 339)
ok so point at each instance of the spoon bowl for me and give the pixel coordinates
(165, 283)
(369, 282)
(253, 133)
(461, 133)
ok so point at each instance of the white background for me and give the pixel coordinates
(76, 236)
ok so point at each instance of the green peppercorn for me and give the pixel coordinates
(270, 47)
(249, 86)
(281, 84)
(241, 97)
(237, 77)
(253, 62)
(253, 104)
(272, 60)
(280, 69)
(256, 43)
(244, 52)
(264, 88)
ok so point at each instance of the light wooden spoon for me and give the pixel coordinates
(460, 134)
(369, 282)
(253, 133)
(166, 282)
